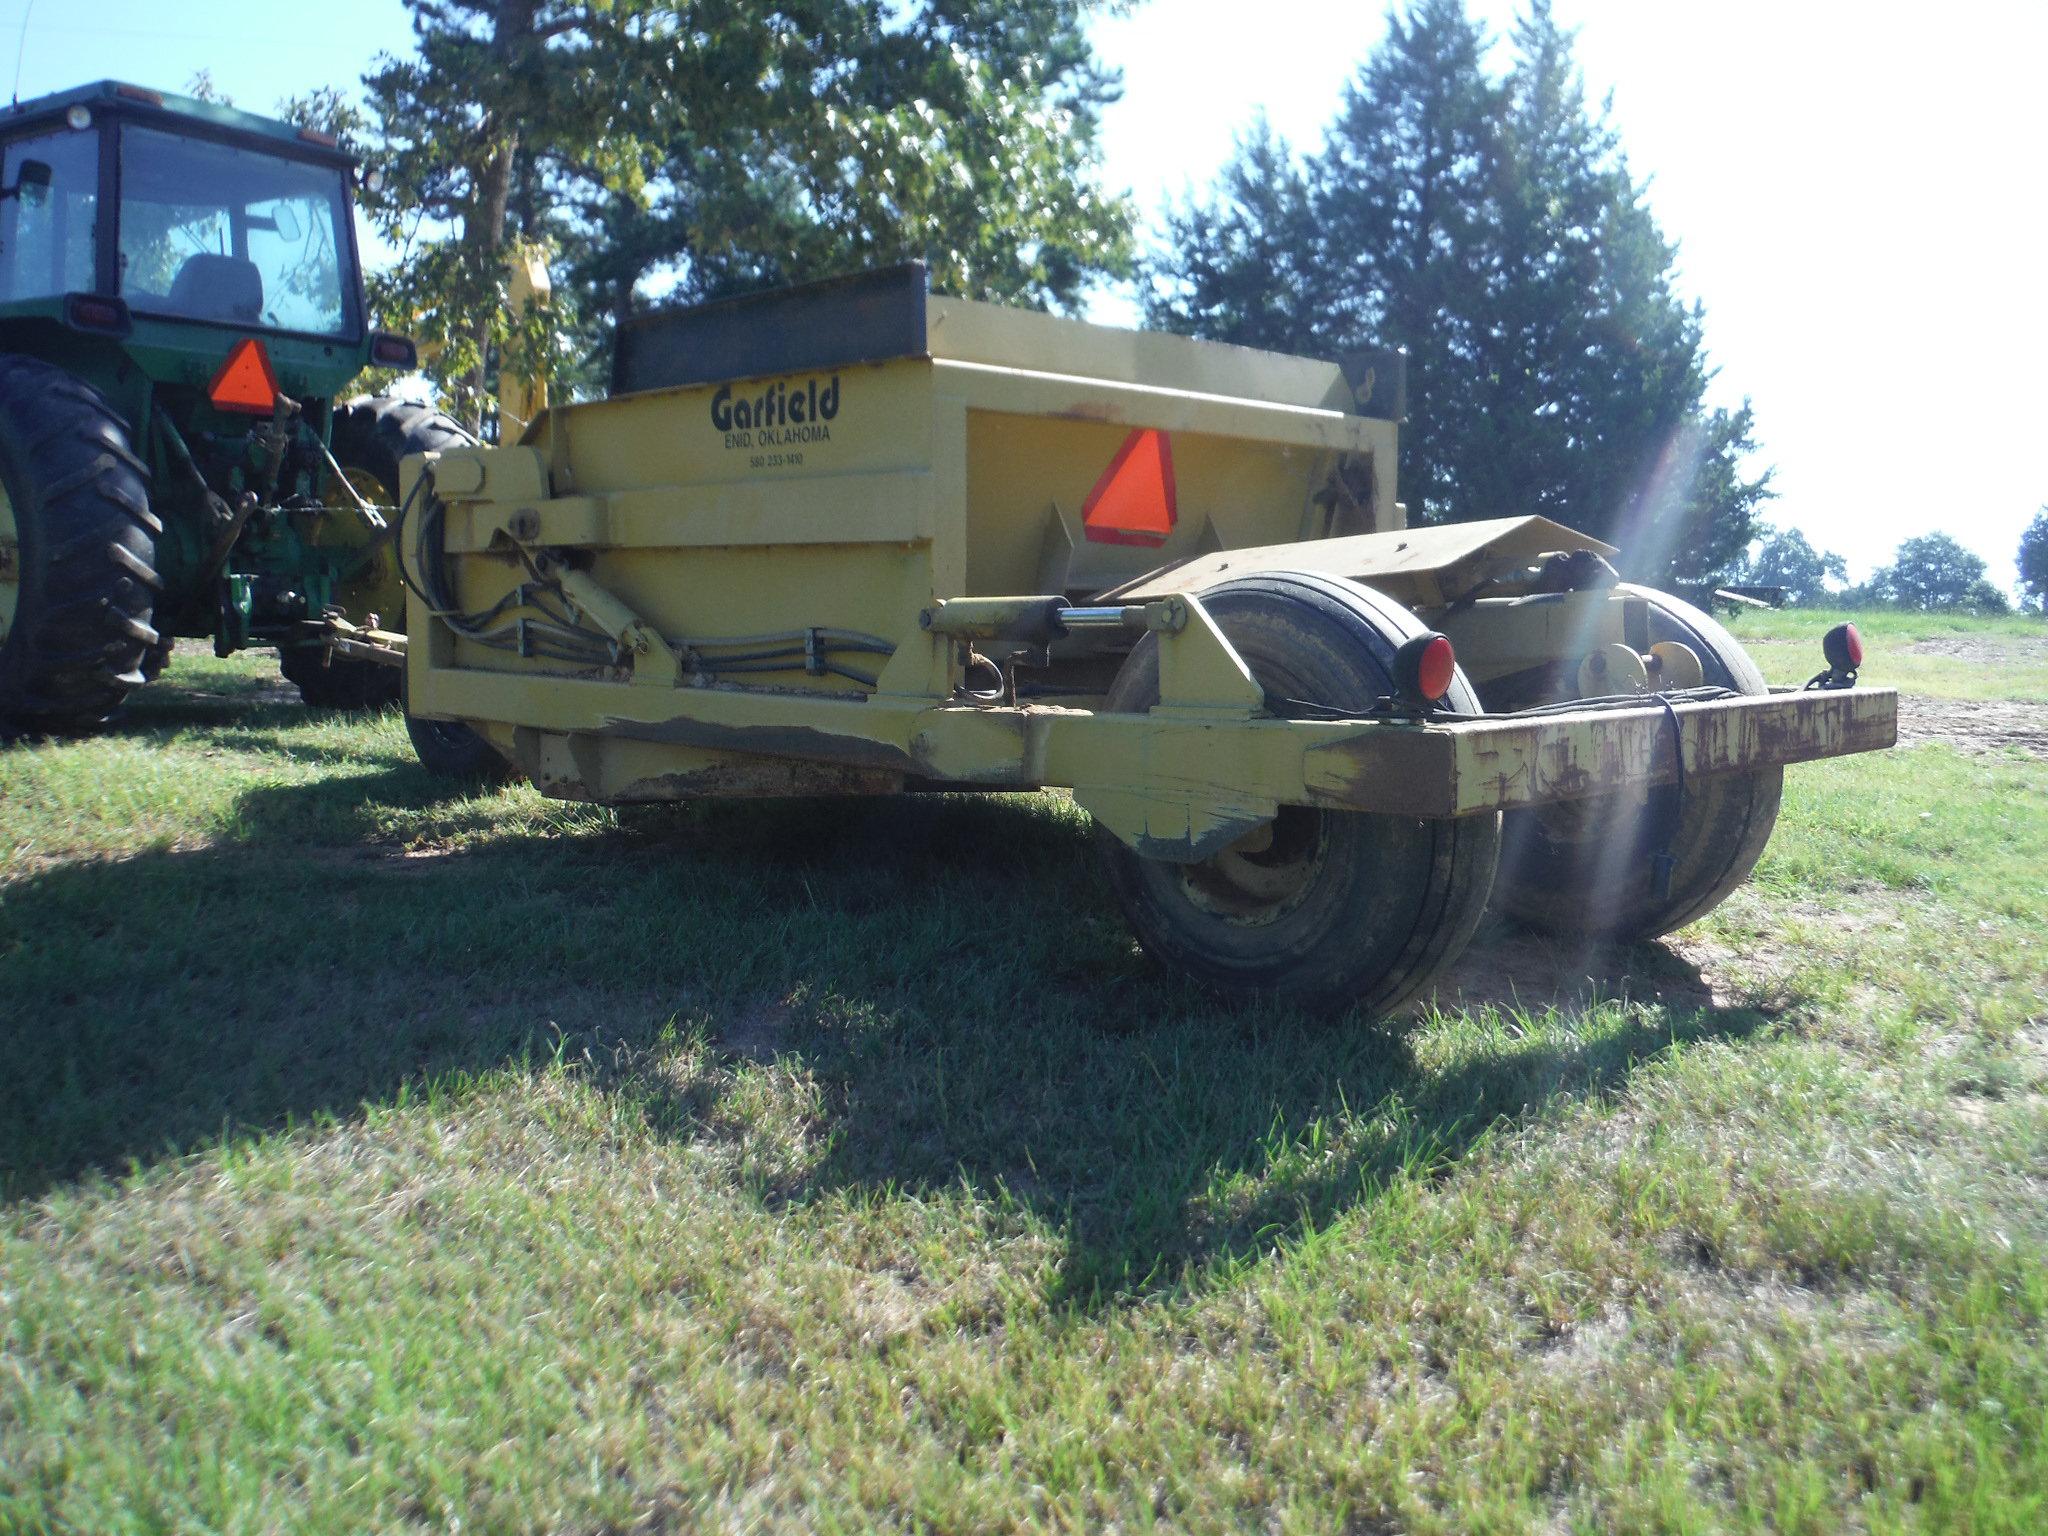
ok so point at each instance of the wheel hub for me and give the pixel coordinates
(1264, 875)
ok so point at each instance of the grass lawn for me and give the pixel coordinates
(1929, 654)
(381, 1156)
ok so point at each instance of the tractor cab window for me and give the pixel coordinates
(235, 236)
(46, 228)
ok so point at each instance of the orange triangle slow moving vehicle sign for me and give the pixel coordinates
(245, 381)
(1133, 502)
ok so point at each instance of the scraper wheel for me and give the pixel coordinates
(1584, 869)
(1327, 909)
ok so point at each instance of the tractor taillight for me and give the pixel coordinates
(1424, 668)
(96, 314)
(1843, 648)
(388, 351)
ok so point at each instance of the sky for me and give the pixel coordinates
(1856, 191)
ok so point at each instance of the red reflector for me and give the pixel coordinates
(137, 93)
(1433, 673)
(1134, 501)
(315, 136)
(1855, 645)
(245, 382)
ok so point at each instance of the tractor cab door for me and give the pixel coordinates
(49, 218)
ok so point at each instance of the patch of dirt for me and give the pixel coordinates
(384, 857)
(759, 1031)
(890, 1305)
(1974, 725)
(1511, 968)
(1989, 650)
(599, 1017)
(1589, 1346)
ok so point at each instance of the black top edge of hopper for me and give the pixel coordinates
(866, 317)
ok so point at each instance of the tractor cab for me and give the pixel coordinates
(191, 272)
(204, 229)
(182, 219)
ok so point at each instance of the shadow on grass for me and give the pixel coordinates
(949, 972)
(201, 700)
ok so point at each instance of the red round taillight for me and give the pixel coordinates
(1843, 648)
(1424, 668)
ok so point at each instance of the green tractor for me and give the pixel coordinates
(180, 306)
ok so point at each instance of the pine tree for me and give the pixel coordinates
(1252, 266)
(1367, 242)
(1401, 192)
(1494, 229)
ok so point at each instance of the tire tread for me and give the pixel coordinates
(85, 618)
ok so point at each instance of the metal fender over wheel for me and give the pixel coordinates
(78, 578)
(1583, 869)
(371, 436)
(1327, 909)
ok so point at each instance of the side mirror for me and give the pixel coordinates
(33, 176)
(279, 221)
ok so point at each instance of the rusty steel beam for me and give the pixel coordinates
(1470, 766)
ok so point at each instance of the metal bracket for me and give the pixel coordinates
(1200, 671)
(1201, 677)
(1172, 828)
(656, 663)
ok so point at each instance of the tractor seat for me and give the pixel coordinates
(210, 287)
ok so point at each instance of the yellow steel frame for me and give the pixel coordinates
(959, 476)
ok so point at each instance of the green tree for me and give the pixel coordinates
(1491, 226)
(500, 96)
(2033, 561)
(1247, 262)
(1367, 242)
(1934, 572)
(1785, 559)
(960, 132)
(694, 147)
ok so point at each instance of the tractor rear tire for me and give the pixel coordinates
(78, 578)
(1583, 870)
(448, 749)
(372, 435)
(1336, 909)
